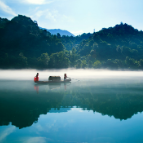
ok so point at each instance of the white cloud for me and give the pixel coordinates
(67, 18)
(6, 8)
(38, 2)
(35, 1)
(6, 132)
(51, 15)
(39, 13)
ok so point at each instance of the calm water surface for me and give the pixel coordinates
(87, 110)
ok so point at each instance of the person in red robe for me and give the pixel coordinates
(36, 78)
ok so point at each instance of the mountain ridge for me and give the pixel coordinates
(60, 31)
(25, 45)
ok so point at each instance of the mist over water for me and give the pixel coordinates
(72, 73)
(96, 106)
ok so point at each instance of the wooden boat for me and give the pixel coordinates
(54, 79)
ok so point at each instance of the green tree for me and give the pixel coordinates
(22, 61)
(43, 60)
(97, 64)
(59, 60)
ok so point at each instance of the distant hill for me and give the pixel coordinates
(61, 32)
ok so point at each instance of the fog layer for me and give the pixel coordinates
(72, 73)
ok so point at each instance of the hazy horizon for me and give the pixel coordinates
(28, 74)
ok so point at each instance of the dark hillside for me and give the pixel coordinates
(21, 34)
(21, 38)
(24, 45)
(69, 41)
(117, 46)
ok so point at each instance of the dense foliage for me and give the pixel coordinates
(117, 47)
(25, 45)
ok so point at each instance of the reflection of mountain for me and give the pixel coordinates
(119, 100)
(22, 105)
(113, 103)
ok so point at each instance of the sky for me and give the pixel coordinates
(76, 16)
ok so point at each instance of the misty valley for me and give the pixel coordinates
(71, 71)
(97, 105)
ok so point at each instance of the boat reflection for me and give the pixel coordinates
(51, 86)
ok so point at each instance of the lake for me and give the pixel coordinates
(98, 106)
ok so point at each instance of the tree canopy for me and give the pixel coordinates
(24, 45)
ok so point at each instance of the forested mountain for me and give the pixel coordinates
(61, 32)
(116, 47)
(25, 45)
(69, 41)
(22, 41)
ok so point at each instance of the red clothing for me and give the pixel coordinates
(36, 78)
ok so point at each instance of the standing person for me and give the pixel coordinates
(65, 76)
(36, 77)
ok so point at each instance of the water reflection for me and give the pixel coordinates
(6, 132)
(51, 86)
(21, 105)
